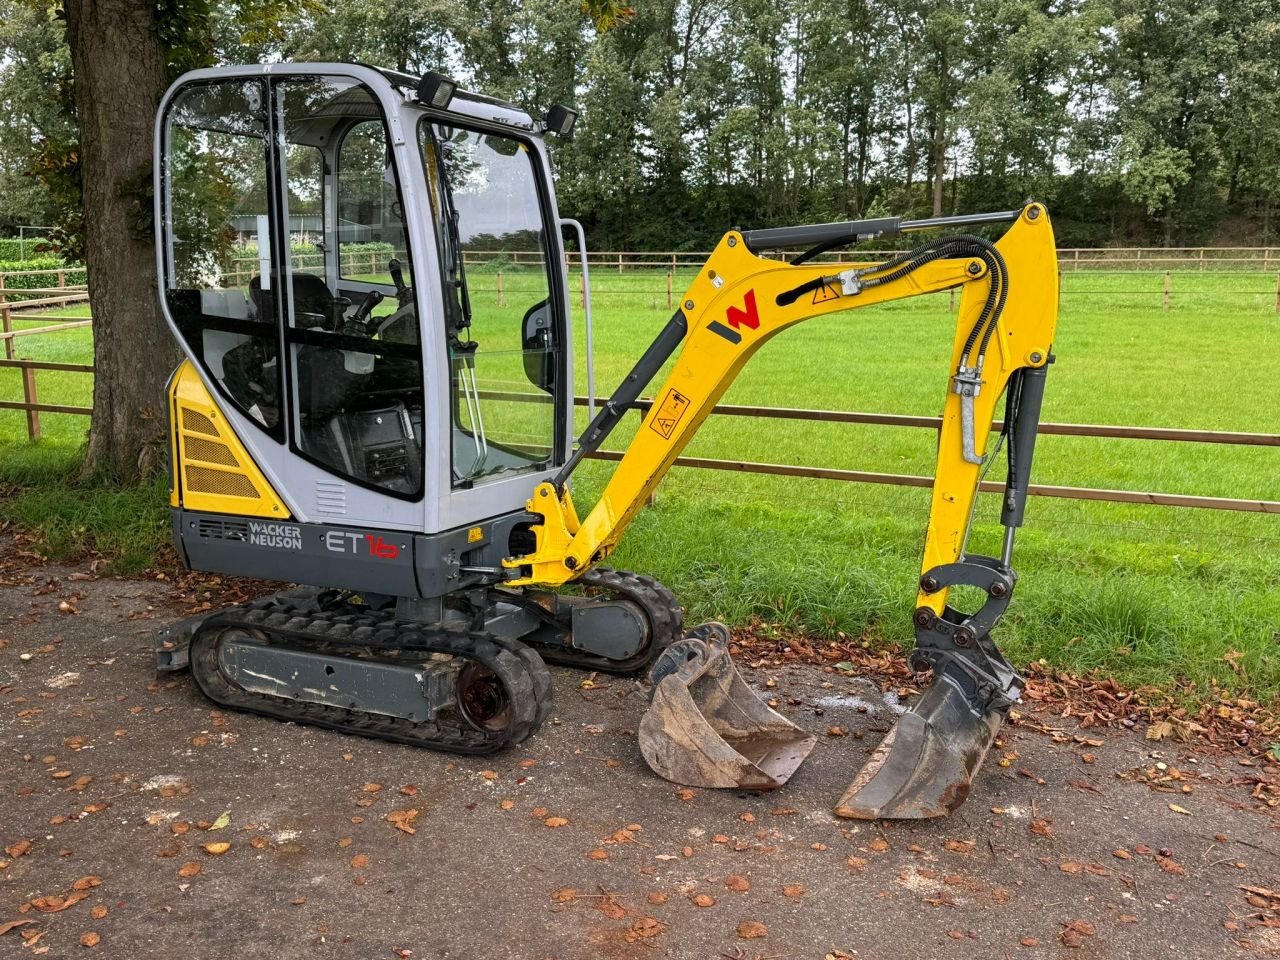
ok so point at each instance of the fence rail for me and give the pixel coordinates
(33, 407)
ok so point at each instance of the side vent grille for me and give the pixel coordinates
(331, 498)
(196, 422)
(214, 470)
(204, 480)
(222, 530)
(210, 451)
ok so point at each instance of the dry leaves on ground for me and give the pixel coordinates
(752, 930)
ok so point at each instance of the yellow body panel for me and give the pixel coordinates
(737, 291)
(212, 472)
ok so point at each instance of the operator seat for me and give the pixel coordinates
(311, 295)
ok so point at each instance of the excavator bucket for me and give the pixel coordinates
(925, 766)
(706, 728)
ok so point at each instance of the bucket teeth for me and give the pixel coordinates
(925, 766)
(706, 728)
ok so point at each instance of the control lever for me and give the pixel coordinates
(357, 325)
(396, 269)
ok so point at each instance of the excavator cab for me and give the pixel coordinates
(361, 411)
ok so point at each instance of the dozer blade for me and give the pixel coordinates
(925, 766)
(706, 728)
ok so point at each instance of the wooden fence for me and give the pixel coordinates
(32, 406)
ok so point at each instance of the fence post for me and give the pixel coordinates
(29, 397)
(6, 320)
(1166, 291)
(619, 264)
(669, 293)
(62, 278)
(500, 300)
(673, 263)
(1074, 268)
(1202, 258)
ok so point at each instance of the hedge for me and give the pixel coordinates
(15, 248)
(16, 279)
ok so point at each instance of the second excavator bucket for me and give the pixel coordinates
(706, 728)
(925, 766)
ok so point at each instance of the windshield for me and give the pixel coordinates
(504, 343)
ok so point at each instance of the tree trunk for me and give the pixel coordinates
(120, 74)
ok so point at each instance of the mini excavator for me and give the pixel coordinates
(352, 416)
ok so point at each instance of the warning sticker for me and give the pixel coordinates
(825, 293)
(668, 413)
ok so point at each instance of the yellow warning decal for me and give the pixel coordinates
(475, 534)
(668, 413)
(825, 293)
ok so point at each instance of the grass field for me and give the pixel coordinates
(1142, 593)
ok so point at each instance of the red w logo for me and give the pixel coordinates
(750, 317)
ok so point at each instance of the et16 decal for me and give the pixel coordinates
(344, 541)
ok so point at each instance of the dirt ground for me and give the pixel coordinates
(119, 788)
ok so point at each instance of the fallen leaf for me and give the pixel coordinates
(489, 774)
(540, 812)
(528, 763)
(403, 820)
(298, 901)
(599, 853)
(259, 842)
(658, 897)
(409, 790)
(217, 849)
(794, 890)
(610, 907)
(359, 861)
(1177, 809)
(376, 787)
(1070, 866)
(644, 929)
(837, 732)
(189, 869)
(58, 904)
(564, 895)
(686, 851)
(19, 849)
(555, 822)
(1169, 865)
(703, 900)
(752, 930)
(747, 817)
(735, 882)
(856, 863)
(959, 846)
(685, 794)
(98, 912)
(507, 804)
(1041, 827)
(87, 883)
(1029, 942)
(13, 925)
(878, 845)
(224, 820)
(1121, 854)
(90, 939)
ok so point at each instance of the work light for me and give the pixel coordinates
(436, 90)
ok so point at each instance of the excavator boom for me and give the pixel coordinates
(1001, 347)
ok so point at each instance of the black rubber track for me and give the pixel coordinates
(353, 632)
(660, 606)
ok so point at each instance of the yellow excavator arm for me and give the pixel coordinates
(704, 726)
(740, 300)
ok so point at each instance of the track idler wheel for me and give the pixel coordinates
(706, 728)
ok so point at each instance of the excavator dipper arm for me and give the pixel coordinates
(1004, 332)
